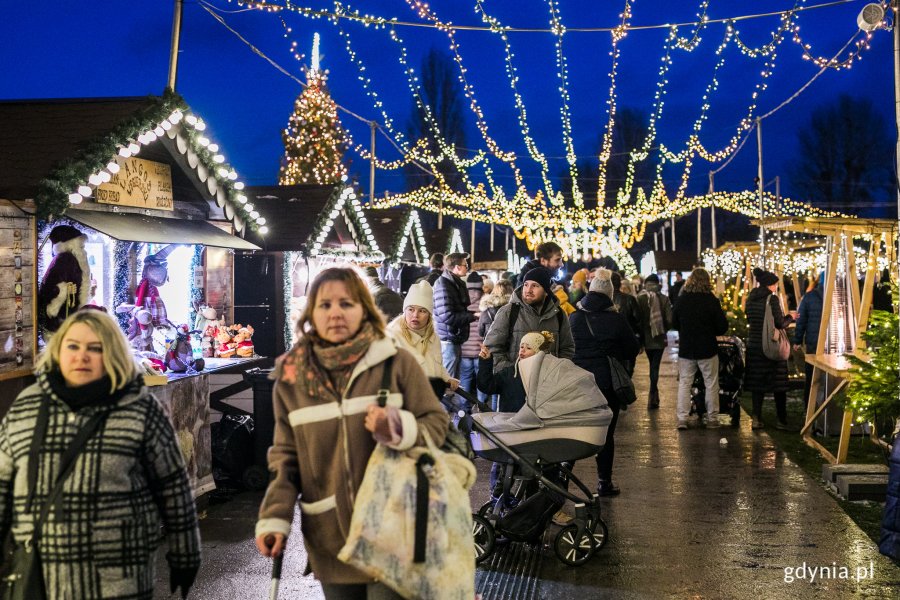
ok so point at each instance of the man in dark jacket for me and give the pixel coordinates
(547, 255)
(698, 317)
(809, 318)
(675, 288)
(389, 302)
(601, 332)
(451, 310)
(532, 307)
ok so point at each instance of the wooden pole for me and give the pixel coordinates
(866, 304)
(176, 39)
(372, 165)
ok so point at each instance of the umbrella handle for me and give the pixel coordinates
(276, 576)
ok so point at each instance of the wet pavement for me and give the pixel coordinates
(695, 519)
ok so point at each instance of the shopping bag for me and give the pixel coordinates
(775, 343)
(382, 537)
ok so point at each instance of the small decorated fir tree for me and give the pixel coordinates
(874, 389)
(314, 141)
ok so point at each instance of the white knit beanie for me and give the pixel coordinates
(420, 294)
(533, 340)
(602, 283)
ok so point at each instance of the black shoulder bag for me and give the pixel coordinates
(27, 580)
(622, 384)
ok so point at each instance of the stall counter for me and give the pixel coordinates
(185, 399)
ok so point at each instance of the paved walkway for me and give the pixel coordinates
(695, 519)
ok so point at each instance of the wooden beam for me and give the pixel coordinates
(828, 292)
(852, 281)
(866, 305)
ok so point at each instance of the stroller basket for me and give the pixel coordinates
(525, 516)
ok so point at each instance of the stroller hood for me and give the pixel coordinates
(560, 394)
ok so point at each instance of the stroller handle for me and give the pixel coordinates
(473, 400)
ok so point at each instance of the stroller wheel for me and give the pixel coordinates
(483, 536)
(486, 508)
(570, 551)
(601, 534)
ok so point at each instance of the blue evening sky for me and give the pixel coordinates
(60, 48)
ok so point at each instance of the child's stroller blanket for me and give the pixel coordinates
(560, 394)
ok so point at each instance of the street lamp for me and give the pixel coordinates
(870, 18)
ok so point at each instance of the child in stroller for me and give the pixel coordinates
(564, 419)
(731, 380)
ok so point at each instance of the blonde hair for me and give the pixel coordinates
(426, 332)
(698, 282)
(504, 287)
(356, 289)
(118, 361)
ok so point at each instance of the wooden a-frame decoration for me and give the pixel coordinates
(840, 233)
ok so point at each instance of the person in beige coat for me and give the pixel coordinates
(327, 423)
(413, 330)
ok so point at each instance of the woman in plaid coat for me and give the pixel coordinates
(99, 538)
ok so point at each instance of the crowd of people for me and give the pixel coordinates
(453, 330)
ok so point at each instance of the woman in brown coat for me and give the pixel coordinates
(327, 423)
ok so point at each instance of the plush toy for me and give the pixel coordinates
(155, 274)
(151, 363)
(66, 286)
(140, 327)
(206, 324)
(244, 345)
(206, 316)
(225, 348)
(180, 355)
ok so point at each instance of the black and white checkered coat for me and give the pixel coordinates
(100, 539)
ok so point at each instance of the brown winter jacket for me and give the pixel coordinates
(321, 448)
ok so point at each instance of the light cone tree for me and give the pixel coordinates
(314, 140)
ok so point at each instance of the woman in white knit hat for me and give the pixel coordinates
(413, 330)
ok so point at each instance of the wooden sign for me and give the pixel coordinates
(17, 338)
(139, 182)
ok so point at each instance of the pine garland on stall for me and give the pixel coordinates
(122, 293)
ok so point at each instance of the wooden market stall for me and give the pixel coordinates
(845, 311)
(310, 228)
(139, 178)
(399, 233)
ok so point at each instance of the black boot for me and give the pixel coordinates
(606, 487)
(653, 400)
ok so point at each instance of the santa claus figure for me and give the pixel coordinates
(155, 274)
(66, 286)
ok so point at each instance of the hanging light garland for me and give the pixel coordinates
(523, 211)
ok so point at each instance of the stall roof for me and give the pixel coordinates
(295, 214)
(50, 147)
(136, 227)
(38, 134)
(386, 224)
(674, 260)
(831, 225)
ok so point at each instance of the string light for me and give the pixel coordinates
(633, 209)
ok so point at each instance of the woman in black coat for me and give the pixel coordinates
(762, 374)
(600, 332)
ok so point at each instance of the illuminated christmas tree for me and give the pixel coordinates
(314, 141)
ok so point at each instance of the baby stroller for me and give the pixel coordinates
(731, 380)
(536, 447)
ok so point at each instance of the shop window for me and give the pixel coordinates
(176, 293)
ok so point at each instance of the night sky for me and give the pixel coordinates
(108, 48)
